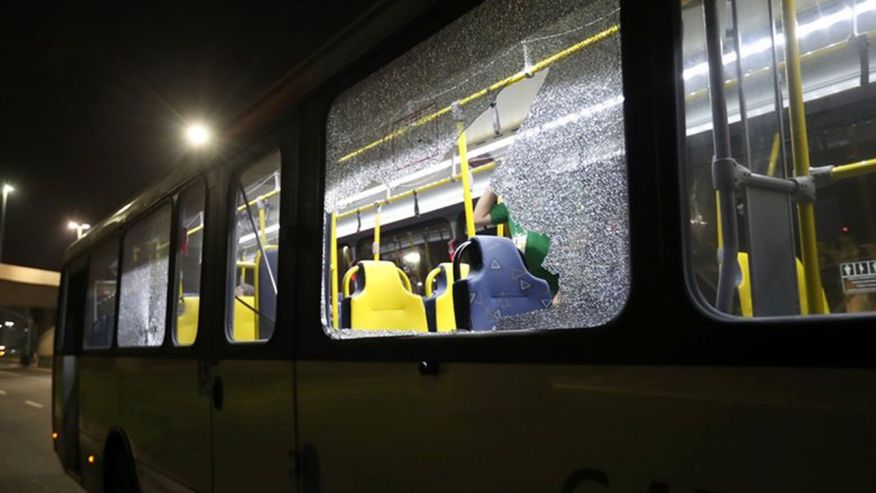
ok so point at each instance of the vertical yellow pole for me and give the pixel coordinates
(377, 232)
(774, 156)
(718, 220)
(800, 155)
(500, 229)
(466, 180)
(263, 226)
(334, 270)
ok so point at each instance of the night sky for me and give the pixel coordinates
(93, 98)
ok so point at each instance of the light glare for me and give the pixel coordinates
(197, 134)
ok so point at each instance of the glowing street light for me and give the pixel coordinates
(80, 228)
(197, 134)
(7, 189)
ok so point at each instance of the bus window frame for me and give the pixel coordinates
(165, 201)
(167, 348)
(174, 241)
(385, 58)
(314, 342)
(828, 340)
(695, 294)
(109, 238)
(282, 138)
(67, 343)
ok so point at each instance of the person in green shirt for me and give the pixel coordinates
(490, 212)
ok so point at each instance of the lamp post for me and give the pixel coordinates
(80, 228)
(7, 189)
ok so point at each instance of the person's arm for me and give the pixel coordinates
(483, 207)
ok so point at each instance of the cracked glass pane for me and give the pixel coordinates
(530, 94)
(143, 302)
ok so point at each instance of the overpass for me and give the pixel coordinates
(27, 309)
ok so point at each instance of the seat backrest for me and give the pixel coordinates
(442, 297)
(187, 319)
(244, 322)
(743, 286)
(382, 301)
(498, 284)
(266, 298)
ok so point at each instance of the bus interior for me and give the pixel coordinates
(799, 251)
(402, 192)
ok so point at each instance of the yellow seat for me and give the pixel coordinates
(244, 319)
(744, 287)
(383, 299)
(187, 320)
(445, 318)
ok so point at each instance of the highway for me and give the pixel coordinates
(27, 461)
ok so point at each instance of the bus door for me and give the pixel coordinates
(65, 393)
(252, 392)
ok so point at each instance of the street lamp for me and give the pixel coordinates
(7, 189)
(80, 228)
(197, 134)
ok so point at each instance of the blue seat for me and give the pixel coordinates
(266, 298)
(498, 284)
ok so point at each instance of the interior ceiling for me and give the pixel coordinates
(753, 17)
(829, 63)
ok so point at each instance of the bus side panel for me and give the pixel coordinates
(490, 427)
(98, 413)
(155, 402)
(253, 432)
(65, 409)
(65, 374)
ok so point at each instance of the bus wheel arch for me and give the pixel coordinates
(119, 472)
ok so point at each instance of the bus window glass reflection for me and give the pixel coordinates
(190, 234)
(252, 284)
(100, 311)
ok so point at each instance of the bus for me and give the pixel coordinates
(509, 245)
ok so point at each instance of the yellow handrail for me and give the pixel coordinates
(406, 281)
(800, 154)
(466, 180)
(430, 278)
(376, 245)
(347, 276)
(513, 79)
(263, 225)
(258, 199)
(853, 169)
(420, 189)
(200, 227)
(500, 228)
(774, 156)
